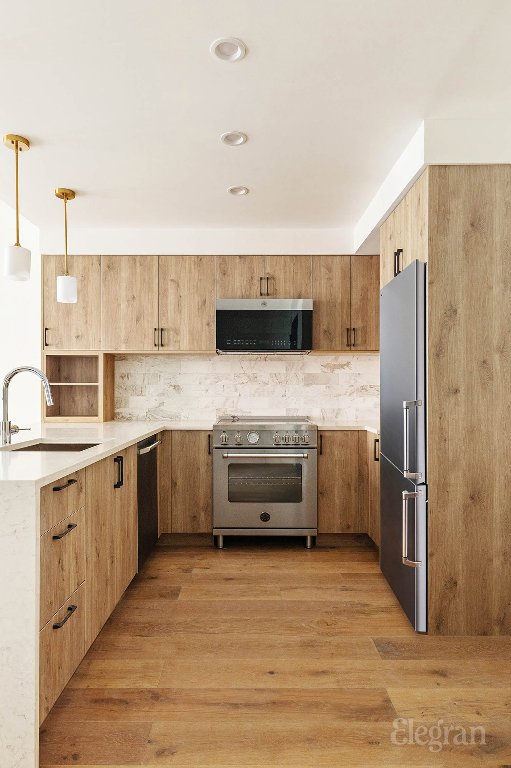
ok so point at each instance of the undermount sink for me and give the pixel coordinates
(56, 447)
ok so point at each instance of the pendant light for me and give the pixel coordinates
(17, 258)
(67, 290)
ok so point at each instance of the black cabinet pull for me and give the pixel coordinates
(155, 337)
(320, 444)
(45, 339)
(161, 338)
(57, 488)
(209, 444)
(59, 536)
(354, 331)
(397, 257)
(119, 460)
(267, 286)
(70, 610)
(376, 448)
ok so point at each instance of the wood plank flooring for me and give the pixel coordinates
(265, 655)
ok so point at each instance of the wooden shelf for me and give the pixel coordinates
(83, 386)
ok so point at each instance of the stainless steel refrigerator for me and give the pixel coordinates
(403, 470)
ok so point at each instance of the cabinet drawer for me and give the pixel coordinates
(61, 498)
(62, 563)
(61, 649)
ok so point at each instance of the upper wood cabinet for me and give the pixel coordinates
(129, 303)
(404, 234)
(72, 326)
(187, 303)
(346, 303)
(340, 507)
(252, 277)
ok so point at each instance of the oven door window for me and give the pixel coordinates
(265, 483)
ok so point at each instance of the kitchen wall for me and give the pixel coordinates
(20, 322)
(328, 388)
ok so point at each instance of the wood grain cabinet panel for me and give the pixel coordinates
(240, 277)
(339, 510)
(288, 277)
(125, 528)
(61, 498)
(72, 326)
(62, 565)
(187, 303)
(365, 303)
(61, 649)
(129, 303)
(192, 482)
(331, 281)
(373, 459)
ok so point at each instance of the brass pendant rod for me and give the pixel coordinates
(16, 152)
(65, 235)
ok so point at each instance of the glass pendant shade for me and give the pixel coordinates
(17, 262)
(67, 289)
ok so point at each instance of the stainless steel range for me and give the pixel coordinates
(265, 477)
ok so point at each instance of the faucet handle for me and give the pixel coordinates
(15, 429)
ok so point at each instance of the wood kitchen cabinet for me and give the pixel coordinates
(187, 303)
(129, 303)
(111, 535)
(345, 290)
(373, 463)
(72, 326)
(252, 277)
(192, 482)
(340, 509)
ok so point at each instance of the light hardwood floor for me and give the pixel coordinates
(272, 655)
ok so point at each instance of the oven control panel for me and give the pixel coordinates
(265, 438)
(291, 438)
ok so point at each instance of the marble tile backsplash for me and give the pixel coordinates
(328, 388)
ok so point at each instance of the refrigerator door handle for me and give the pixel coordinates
(407, 404)
(404, 553)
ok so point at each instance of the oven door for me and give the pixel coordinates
(265, 488)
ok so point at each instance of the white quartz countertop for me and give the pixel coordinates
(41, 467)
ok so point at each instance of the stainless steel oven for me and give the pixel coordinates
(265, 478)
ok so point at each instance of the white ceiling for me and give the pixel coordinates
(124, 103)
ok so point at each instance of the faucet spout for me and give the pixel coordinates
(6, 430)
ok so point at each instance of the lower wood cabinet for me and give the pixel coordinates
(373, 462)
(191, 482)
(61, 649)
(341, 508)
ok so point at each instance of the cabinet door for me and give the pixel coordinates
(125, 530)
(373, 457)
(129, 302)
(192, 482)
(100, 545)
(187, 302)
(72, 326)
(288, 277)
(331, 295)
(240, 277)
(338, 478)
(391, 239)
(365, 303)
(414, 223)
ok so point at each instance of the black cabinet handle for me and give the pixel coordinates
(69, 528)
(70, 610)
(155, 337)
(119, 460)
(354, 331)
(376, 448)
(57, 488)
(267, 286)
(397, 257)
(45, 339)
(161, 338)
(320, 444)
(209, 444)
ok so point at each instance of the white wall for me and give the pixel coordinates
(20, 323)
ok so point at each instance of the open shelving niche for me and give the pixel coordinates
(82, 386)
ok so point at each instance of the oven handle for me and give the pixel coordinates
(265, 455)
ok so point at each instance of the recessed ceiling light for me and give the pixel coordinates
(234, 138)
(228, 49)
(238, 191)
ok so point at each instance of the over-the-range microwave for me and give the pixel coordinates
(262, 326)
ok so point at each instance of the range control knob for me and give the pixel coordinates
(224, 438)
(238, 439)
(253, 438)
(287, 438)
(305, 438)
(277, 438)
(264, 517)
(296, 438)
